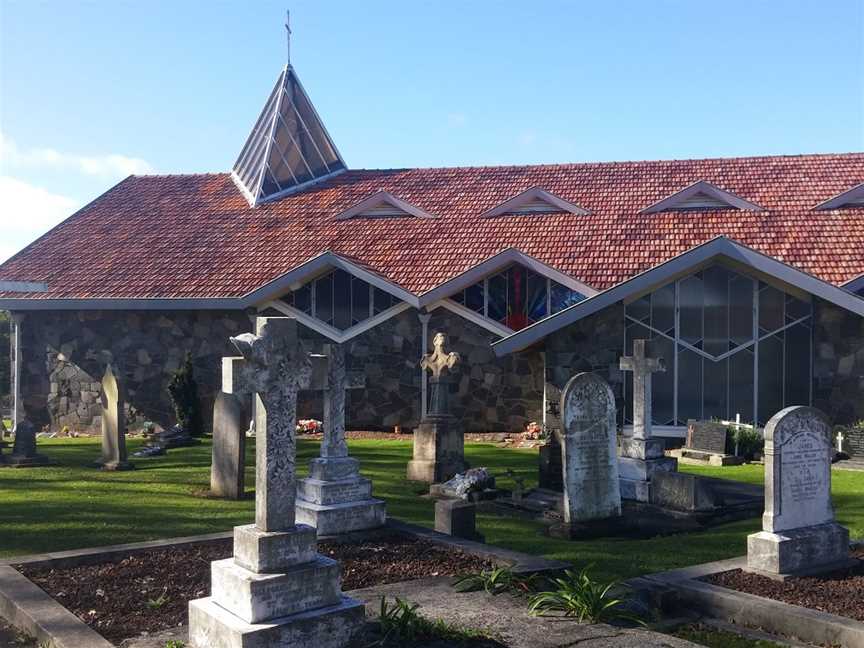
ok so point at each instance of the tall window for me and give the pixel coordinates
(340, 299)
(732, 345)
(517, 297)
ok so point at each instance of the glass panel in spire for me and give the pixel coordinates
(288, 146)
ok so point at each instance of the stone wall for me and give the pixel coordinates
(65, 354)
(594, 343)
(838, 364)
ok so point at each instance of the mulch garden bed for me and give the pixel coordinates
(149, 591)
(840, 593)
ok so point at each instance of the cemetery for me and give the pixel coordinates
(468, 407)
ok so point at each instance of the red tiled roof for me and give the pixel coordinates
(195, 236)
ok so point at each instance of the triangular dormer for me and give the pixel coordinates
(850, 198)
(383, 205)
(534, 201)
(288, 148)
(701, 196)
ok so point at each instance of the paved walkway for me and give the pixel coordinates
(504, 616)
(507, 617)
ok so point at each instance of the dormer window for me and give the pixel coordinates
(850, 199)
(701, 196)
(383, 205)
(534, 201)
(340, 299)
(517, 297)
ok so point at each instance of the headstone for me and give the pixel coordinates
(24, 453)
(799, 535)
(228, 467)
(334, 498)
(113, 423)
(276, 590)
(468, 485)
(549, 457)
(589, 457)
(439, 443)
(707, 436)
(456, 517)
(642, 455)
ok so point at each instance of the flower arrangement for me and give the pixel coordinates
(534, 432)
(308, 426)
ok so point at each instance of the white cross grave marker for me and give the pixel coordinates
(642, 368)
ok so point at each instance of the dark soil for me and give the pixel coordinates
(839, 593)
(150, 591)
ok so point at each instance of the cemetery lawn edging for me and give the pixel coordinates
(692, 591)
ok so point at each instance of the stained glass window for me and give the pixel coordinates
(703, 326)
(517, 297)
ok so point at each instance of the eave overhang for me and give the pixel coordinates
(720, 247)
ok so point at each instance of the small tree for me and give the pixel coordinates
(184, 394)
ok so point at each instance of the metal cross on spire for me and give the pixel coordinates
(288, 34)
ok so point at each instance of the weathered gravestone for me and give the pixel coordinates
(24, 453)
(228, 467)
(457, 518)
(335, 498)
(439, 443)
(589, 453)
(550, 470)
(276, 590)
(706, 442)
(799, 534)
(113, 423)
(642, 455)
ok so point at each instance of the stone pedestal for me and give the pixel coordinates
(335, 499)
(457, 518)
(639, 460)
(439, 450)
(24, 453)
(276, 591)
(799, 552)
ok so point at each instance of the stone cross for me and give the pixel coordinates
(589, 450)
(841, 439)
(437, 362)
(439, 359)
(275, 369)
(336, 381)
(113, 422)
(642, 368)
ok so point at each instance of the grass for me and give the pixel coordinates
(74, 505)
(714, 638)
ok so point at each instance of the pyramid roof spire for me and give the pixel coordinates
(289, 147)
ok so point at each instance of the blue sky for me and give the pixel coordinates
(93, 91)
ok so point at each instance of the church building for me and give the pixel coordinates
(746, 275)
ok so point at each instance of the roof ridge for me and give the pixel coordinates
(558, 165)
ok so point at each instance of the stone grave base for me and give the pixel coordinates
(329, 627)
(335, 499)
(701, 458)
(335, 519)
(20, 461)
(799, 552)
(640, 460)
(586, 529)
(112, 466)
(439, 450)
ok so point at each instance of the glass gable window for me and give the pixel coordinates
(517, 297)
(340, 299)
(732, 345)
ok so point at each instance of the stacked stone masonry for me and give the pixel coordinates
(65, 354)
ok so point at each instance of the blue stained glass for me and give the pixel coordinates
(474, 297)
(562, 297)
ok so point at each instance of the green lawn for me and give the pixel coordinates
(73, 505)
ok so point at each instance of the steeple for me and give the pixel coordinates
(288, 148)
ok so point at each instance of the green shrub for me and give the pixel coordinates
(747, 440)
(580, 596)
(401, 624)
(184, 395)
(497, 581)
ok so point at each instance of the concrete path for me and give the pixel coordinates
(507, 618)
(504, 616)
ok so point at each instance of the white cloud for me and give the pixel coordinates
(455, 120)
(111, 165)
(28, 212)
